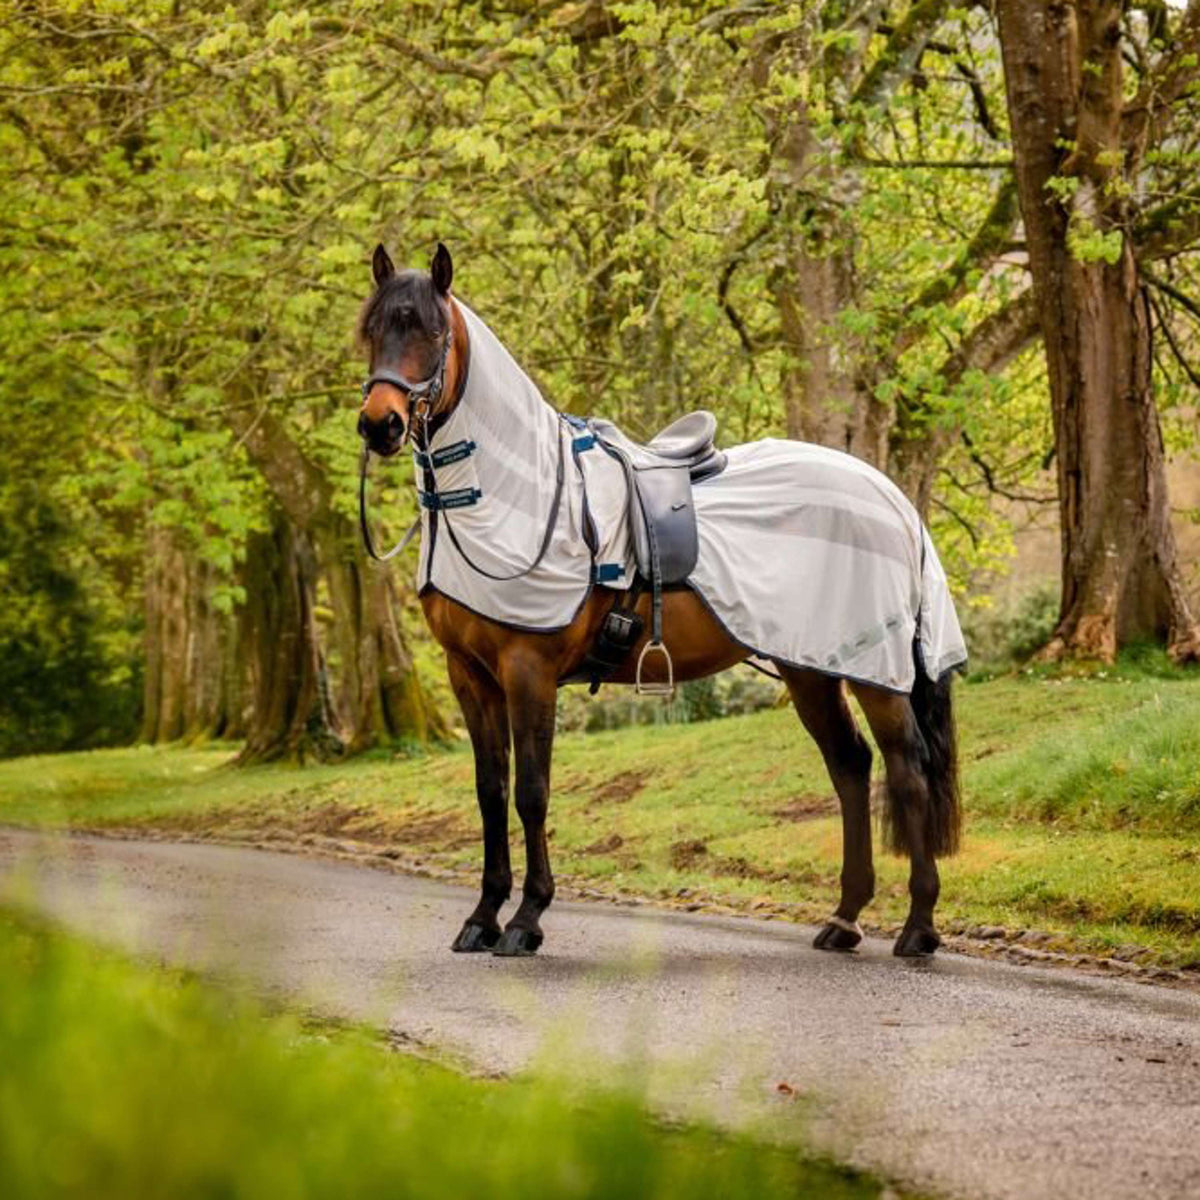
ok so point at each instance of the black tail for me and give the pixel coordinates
(932, 705)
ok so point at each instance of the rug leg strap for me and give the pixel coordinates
(847, 926)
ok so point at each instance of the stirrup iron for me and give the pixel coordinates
(666, 689)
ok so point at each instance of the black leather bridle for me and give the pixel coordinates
(429, 389)
(424, 396)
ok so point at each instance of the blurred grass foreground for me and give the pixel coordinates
(118, 1080)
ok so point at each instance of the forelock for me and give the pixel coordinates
(407, 303)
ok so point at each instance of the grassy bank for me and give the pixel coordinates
(1083, 801)
(120, 1081)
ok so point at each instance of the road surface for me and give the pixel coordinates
(967, 1077)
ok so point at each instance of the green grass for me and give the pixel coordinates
(117, 1081)
(1082, 796)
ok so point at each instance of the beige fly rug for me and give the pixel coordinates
(808, 556)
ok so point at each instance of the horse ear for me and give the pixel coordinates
(381, 266)
(442, 270)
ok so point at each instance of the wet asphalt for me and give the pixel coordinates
(956, 1075)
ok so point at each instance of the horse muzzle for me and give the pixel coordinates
(385, 437)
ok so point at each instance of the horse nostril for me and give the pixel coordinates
(395, 426)
(362, 425)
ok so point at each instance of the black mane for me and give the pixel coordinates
(406, 303)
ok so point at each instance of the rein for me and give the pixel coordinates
(427, 395)
(365, 528)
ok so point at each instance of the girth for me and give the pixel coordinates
(619, 633)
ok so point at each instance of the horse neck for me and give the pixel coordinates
(498, 391)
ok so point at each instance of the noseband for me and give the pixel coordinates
(425, 396)
(426, 393)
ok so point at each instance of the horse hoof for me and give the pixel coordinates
(916, 943)
(838, 936)
(517, 943)
(473, 938)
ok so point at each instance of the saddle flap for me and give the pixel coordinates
(664, 535)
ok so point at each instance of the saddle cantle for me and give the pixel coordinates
(662, 518)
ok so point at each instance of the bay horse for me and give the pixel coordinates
(416, 340)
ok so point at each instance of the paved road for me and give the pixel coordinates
(972, 1078)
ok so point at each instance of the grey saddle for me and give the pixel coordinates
(687, 442)
(661, 515)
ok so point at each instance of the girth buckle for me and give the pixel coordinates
(667, 688)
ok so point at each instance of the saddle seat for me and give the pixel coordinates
(687, 442)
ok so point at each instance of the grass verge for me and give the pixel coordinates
(121, 1081)
(1082, 796)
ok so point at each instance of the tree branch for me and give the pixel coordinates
(1146, 117)
(949, 164)
(481, 71)
(903, 50)
(1171, 290)
(991, 239)
(1176, 350)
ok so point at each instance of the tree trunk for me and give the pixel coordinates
(378, 693)
(289, 718)
(1120, 577)
(812, 189)
(822, 403)
(188, 691)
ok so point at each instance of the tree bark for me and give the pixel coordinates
(1120, 578)
(813, 280)
(191, 687)
(822, 400)
(378, 696)
(289, 717)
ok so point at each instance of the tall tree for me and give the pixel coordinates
(1080, 145)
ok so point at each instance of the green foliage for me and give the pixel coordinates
(119, 1081)
(1090, 244)
(59, 687)
(1000, 637)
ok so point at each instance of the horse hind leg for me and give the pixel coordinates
(821, 704)
(922, 796)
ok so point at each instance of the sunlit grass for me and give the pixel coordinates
(118, 1081)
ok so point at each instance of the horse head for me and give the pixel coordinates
(414, 338)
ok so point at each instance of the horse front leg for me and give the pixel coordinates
(486, 715)
(530, 687)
